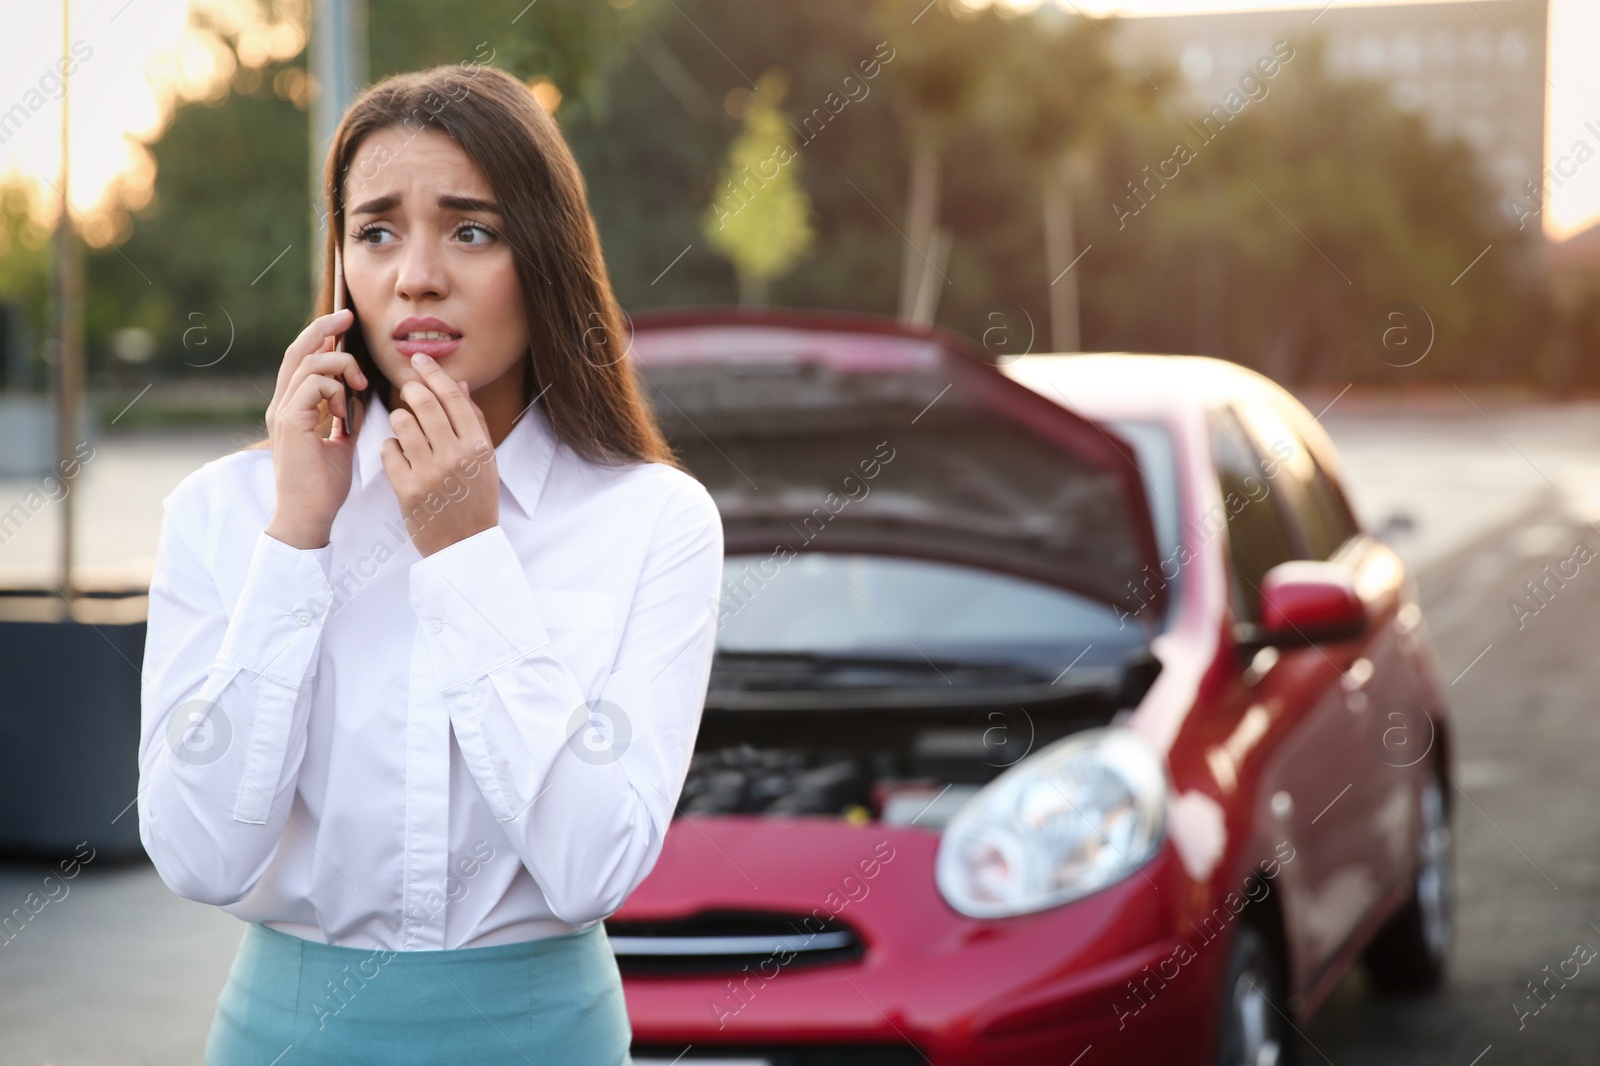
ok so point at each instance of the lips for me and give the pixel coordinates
(433, 336)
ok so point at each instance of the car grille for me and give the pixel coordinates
(820, 1055)
(714, 942)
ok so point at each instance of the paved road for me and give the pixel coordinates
(122, 971)
(117, 497)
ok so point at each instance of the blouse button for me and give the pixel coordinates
(435, 625)
(302, 617)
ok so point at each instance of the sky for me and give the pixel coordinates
(136, 60)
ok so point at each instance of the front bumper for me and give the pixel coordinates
(1077, 980)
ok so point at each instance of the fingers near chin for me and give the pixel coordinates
(409, 433)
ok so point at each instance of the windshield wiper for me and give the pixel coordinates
(764, 668)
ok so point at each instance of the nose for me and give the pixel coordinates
(422, 271)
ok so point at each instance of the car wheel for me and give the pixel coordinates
(1254, 1031)
(1409, 953)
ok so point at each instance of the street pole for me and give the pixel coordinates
(69, 324)
(338, 62)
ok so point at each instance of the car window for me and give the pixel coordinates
(1319, 510)
(1333, 516)
(1258, 537)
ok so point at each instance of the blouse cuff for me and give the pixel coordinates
(285, 600)
(476, 607)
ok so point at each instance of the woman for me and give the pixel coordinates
(419, 701)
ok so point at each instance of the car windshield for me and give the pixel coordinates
(931, 616)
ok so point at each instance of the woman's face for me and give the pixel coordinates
(427, 269)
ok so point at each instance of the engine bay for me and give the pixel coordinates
(893, 768)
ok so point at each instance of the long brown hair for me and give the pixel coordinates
(577, 363)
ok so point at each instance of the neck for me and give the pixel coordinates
(501, 402)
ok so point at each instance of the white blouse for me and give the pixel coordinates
(357, 745)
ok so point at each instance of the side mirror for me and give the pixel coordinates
(1308, 602)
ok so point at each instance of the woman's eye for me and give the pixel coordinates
(485, 234)
(367, 232)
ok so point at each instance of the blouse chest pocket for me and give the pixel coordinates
(581, 626)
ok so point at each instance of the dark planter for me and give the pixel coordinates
(69, 721)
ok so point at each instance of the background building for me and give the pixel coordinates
(1474, 70)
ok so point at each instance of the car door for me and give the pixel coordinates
(1389, 726)
(1310, 790)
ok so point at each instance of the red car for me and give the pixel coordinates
(1062, 712)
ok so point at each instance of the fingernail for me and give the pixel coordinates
(420, 359)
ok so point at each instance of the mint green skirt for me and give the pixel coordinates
(295, 1002)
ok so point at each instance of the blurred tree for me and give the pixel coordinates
(760, 218)
(573, 43)
(1580, 342)
(1279, 239)
(25, 264)
(1057, 98)
(199, 269)
(210, 267)
(1273, 246)
(945, 52)
(654, 160)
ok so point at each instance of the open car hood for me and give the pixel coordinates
(841, 433)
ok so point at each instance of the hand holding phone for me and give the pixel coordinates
(312, 473)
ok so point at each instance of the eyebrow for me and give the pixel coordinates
(457, 203)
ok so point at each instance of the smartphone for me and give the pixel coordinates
(344, 429)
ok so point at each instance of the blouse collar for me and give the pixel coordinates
(523, 458)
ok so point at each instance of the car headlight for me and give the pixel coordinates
(1076, 816)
